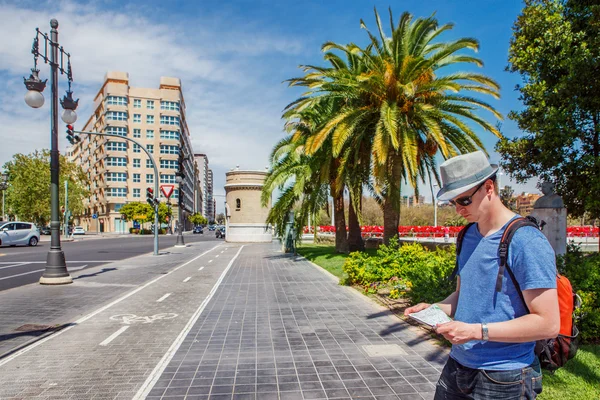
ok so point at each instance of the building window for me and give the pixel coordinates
(137, 178)
(149, 163)
(150, 104)
(116, 177)
(137, 118)
(175, 194)
(116, 116)
(116, 130)
(150, 148)
(116, 161)
(116, 146)
(169, 135)
(169, 164)
(116, 100)
(149, 178)
(169, 105)
(238, 204)
(137, 103)
(167, 178)
(149, 119)
(166, 149)
(137, 193)
(149, 134)
(116, 192)
(136, 163)
(136, 148)
(118, 206)
(169, 120)
(137, 133)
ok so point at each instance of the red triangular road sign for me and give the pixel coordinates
(167, 190)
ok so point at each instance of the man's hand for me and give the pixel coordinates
(417, 308)
(459, 332)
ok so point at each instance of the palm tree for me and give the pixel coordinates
(305, 180)
(396, 101)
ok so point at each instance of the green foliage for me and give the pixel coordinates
(583, 270)
(198, 219)
(164, 211)
(556, 49)
(28, 193)
(137, 211)
(412, 271)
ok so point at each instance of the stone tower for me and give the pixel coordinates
(246, 218)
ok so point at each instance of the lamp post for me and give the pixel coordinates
(56, 268)
(179, 177)
(435, 204)
(3, 187)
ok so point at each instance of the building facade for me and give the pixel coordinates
(209, 196)
(202, 162)
(245, 216)
(120, 171)
(524, 203)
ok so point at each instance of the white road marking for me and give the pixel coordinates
(14, 265)
(222, 251)
(187, 279)
(68, 262)
(164, 297)
(209, 260)
(200, 269)
(114, 335)
(160, 367)
(216, 256)
(24, 273)
(77, 268)
(98, 311)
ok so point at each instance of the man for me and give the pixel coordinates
(492, 335)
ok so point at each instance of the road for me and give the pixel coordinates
(23, 265)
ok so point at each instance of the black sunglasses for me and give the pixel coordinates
(467, 200)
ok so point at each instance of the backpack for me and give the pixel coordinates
(553, 353)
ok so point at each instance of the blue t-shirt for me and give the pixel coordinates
(532, 260)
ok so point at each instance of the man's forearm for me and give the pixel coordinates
(448, 305)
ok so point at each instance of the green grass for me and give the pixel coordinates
(578, 380)
(324, 256)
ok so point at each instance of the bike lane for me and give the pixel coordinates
(110, 352)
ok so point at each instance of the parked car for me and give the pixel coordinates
(212, 227)
(220, 232)
(19, 233)
(78, 230)
(45, 230)
(198, 229)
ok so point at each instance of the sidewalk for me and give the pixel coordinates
(234, 322)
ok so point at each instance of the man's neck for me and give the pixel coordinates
(491, 223)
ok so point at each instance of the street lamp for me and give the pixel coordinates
(56, 268)
(179, 177)
(3, 187)
(435, 204)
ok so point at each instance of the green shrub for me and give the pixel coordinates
(412, 271)
(583, 270)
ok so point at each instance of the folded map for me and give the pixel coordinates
(431, 316)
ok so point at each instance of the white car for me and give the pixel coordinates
(78, 231)
(15, 233)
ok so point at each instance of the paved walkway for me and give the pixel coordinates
(234, 322)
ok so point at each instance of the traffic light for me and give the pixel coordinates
(150, 196)
(71, 136)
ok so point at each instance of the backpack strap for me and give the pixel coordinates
(507, 236)
(459, 240)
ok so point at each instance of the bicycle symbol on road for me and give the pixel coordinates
(134, 319)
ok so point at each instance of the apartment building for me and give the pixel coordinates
(524, 203)
(202, 162)
(120, 171)
(209, 196)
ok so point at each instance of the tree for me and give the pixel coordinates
(28, 193)
(198, 219)
(164, 211)
(556, 49)
(507, 197)
(220, 218)
(399, 105)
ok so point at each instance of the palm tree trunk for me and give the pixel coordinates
(341, 239)
(355, 240)
(391, 205)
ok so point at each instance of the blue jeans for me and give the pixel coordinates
(460, 382)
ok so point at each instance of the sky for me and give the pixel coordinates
(233, 58)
